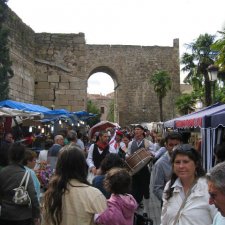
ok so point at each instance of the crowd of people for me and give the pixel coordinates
(79, 182)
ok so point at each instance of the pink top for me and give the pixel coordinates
(120, 210)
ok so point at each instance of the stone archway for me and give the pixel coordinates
(56, 68)
(112, 74)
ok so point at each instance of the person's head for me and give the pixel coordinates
(126, 139)
(79, 135)
(71, 164)
(186, 162)
(17, 153)
(103, 136)
(147, 133)
(9, 138)
(186, 165)
(216, 187)
(118, 181)
(139, 131)
(219, 152)
(119, 136)
(111, 160)
(59, 139)
(171, 140)
(72, 136)
(30, 158)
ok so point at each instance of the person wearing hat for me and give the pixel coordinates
(141, 180)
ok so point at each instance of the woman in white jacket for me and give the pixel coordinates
(185, 198)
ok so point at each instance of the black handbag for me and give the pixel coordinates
(142, 220)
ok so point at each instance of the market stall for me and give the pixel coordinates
(209, 120)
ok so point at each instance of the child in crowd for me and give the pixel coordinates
(121, 205)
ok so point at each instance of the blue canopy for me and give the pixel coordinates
(218, 119)
(208, 119)
(201, 118)
(83, 115)
(34, 108)
(57, 112)
(24, 106)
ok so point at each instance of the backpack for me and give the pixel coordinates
(21, 196)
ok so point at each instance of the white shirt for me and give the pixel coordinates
(80, 143)
(219, 219)
(43, 155)
(196, 210)
(89, 159)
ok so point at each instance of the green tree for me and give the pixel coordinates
(91, 108)
(162, 83)
(219, 46)
(110, 116)
(185, 103)
(5, 64)
(197, 61)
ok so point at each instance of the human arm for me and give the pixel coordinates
(158, 181)
(160, 152)
(34, 200)
(107, 216)
(90, 161)
(149, 145)
(129, 148)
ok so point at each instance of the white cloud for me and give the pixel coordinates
(100, 83)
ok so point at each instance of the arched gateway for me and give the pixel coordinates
(53, 69)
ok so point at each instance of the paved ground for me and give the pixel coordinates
(154, 206)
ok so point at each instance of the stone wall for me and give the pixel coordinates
(53, 69)
(59, 64)
(22, 49)
(131, 67)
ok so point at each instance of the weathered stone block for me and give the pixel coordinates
(64, 85)
(53, 78)
(42, 85)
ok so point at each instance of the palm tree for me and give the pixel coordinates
(185, 104)
(197, 62)
(162, 83)
(219, 46)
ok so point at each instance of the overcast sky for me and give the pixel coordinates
(126, 22)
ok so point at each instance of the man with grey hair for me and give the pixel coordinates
(54, 150)
(216, 189)
(58, 143)
(72, 138)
